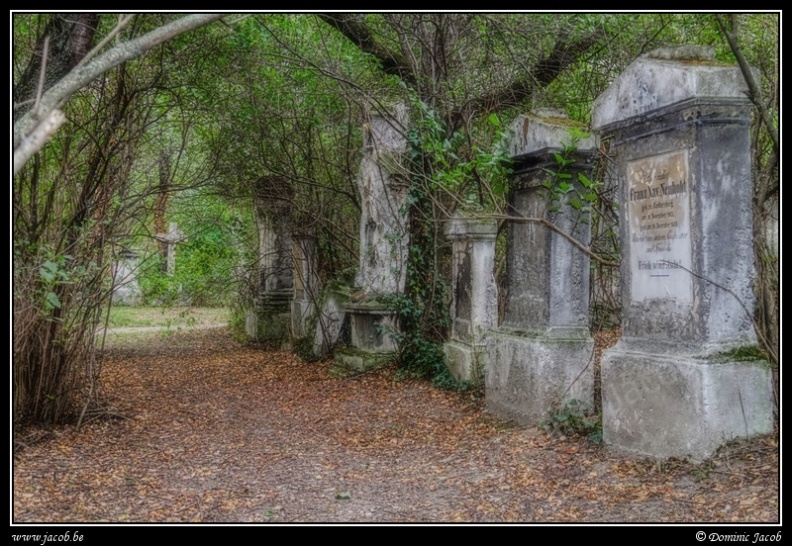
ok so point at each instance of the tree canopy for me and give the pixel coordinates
(130, 109)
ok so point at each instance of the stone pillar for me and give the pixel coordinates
(679, 125)
(271, 318)
(306, 287)
(474, 307)
(541, 357)
(384, 241)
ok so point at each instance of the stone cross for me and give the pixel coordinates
(171, 239)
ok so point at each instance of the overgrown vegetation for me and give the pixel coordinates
(575, 418)
(214, 128)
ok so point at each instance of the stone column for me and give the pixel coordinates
(540, 358)
(679, 125)
(271, 319)
(474, 307)
(384, 241)
(306, 286)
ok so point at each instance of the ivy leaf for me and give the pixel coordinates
(493, 120)
(584, 180)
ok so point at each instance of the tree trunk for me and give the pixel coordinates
(70, 38)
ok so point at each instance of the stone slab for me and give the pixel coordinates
(673, 406)
(529, 375)
(466, 361)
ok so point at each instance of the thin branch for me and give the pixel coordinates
(549, 225)
(35, 140)
(82, 76)
(124, 21)
(753, 89)
(729, 291)
(42, 73)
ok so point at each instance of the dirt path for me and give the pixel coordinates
(218, 432)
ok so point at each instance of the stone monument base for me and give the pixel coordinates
(372, 342)
(272, 320)
(682, 406)
(466, 361)
(531, 374)
(350, 360)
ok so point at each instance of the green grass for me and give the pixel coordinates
(168, 317)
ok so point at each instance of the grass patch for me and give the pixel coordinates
(166, 317)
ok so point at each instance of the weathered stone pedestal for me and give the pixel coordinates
(541, 357)
(474, 306)
(372, 342)
(306, 288)
(383, 246)
(679, 125)
(270, 319)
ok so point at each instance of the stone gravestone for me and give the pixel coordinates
(171, 239)
(126, 290)
(383, 244)
(306, 286)
(541, 356)
(474, 305)
(679, 124)
(271, 319)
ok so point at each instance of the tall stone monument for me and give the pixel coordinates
(271, 317)
(384, 241)
(540, 357)
(679, 126)
(306, 286)
(474, 304)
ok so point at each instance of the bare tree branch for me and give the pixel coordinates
(545, 71)
(35, 140)
(753, 88)
(358, 33)
(83, 75)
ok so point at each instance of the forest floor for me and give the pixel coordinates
(209, 430)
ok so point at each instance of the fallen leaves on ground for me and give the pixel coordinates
(215, 431)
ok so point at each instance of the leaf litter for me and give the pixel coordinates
(216, 431)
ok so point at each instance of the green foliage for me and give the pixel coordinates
(574, 418)
(448, 162)
(205, 272)
(747, 353)
(582, 194)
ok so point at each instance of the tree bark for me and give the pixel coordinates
(70, 38)
(84, 74)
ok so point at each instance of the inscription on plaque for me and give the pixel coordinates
(659, 220)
